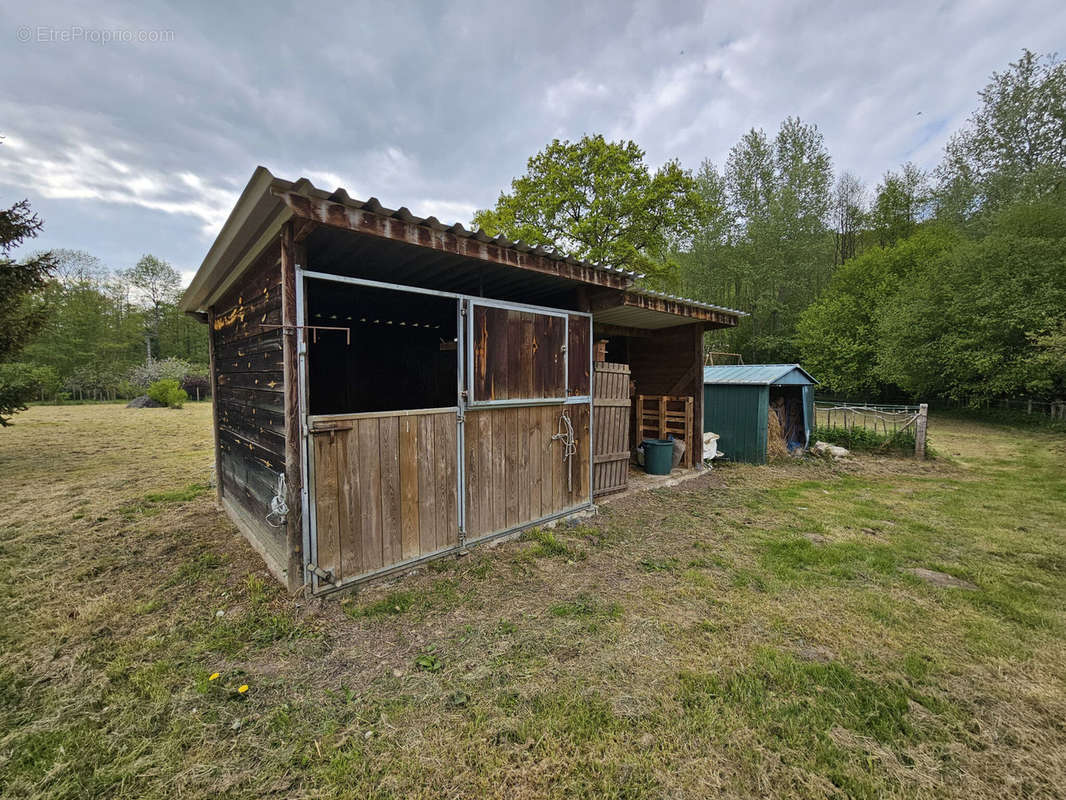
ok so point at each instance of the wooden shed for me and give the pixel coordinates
(389, 389)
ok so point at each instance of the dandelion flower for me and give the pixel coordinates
(242, 688)
(214, 676)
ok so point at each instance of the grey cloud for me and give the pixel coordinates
(126, 148)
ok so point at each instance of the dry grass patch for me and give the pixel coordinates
(750, 633)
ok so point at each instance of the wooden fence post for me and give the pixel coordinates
(920, 429)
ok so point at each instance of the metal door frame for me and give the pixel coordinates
(464, 384)
(310, 523)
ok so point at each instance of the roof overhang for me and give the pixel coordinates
(255, 221)
(267, 203)
(649, 310)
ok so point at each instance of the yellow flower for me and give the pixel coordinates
(242, 688)
(214, 676)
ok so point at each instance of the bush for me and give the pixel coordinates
(168, 393)
(17, 385)
(164, 369)
(859, 438)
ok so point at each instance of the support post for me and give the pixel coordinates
(695, 447)
(214, 401)
(920, 429)
(294, 570)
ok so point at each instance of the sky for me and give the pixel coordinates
(133, 127)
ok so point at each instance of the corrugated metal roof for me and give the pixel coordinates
(755, 374)
(259, 214)
(686, 300)
(304, 187)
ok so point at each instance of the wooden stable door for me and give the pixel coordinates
(390, 488)
(386, 489)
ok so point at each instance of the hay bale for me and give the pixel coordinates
(776, 447)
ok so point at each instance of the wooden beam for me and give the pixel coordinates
(303, 230)
(294, 570)
(600, 330)
(360, 220)
(720, 319)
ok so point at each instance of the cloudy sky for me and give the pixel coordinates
(128, 147)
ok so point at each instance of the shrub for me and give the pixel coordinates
(164, 369)
(168, 392)
(859, 438)
(17, 385)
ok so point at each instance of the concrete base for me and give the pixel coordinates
(641, 481)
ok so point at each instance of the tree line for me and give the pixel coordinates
(948, 284)
(77, 330)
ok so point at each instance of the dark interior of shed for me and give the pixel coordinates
(402, 353)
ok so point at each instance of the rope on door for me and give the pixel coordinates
(566, 436)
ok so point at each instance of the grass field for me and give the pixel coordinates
(752, 633)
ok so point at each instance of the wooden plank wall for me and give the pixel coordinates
(578, 342)
(386, 489)
(611, 446)
(249, 398)
(515, 473)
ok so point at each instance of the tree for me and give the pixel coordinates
(1013, 147)
(849, 215)
(961, 329)
(90, 325)
(899, 204)
(20, 316)
(599, 201)
(770, 252)
(837, 335)
(159, 283)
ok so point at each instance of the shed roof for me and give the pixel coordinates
(758, 374)
(268, 201)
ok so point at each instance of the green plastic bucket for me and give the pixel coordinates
(658, 456)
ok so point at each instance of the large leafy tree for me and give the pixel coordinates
(600, 201)
(158, 284)
(769, 251)
(899, 205)
(1014, 145)
(963, 327)
(838, 334)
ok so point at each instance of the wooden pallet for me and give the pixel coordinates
(662, 416)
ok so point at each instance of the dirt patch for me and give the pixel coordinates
(941, 578)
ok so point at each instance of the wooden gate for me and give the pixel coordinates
(386, 489)
(610, 428)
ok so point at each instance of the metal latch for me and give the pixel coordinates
(321, 574)
(330, 428)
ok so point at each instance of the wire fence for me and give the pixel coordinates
(879, 418)
(1053, 409)
(896, 424)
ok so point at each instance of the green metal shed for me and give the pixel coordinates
(736, 406)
